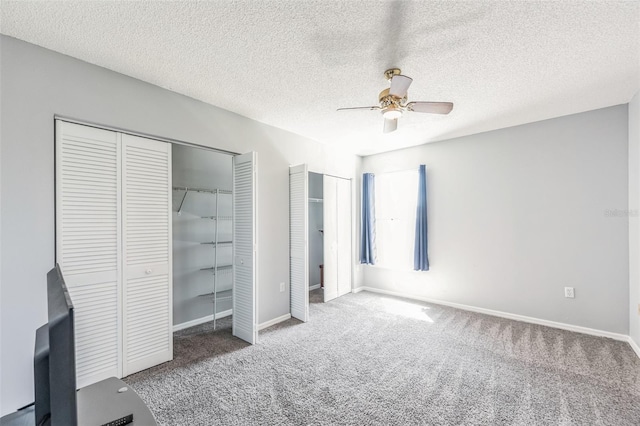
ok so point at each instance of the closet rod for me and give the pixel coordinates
(327, 174)
(219, 268)
(210, 191)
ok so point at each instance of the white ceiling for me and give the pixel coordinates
(290, 64)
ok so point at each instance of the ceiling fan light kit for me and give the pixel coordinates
(393, 101)
(392, 113)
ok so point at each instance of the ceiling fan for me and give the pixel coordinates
(393, 101)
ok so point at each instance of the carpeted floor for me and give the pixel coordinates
(316, 296)
(367, 359)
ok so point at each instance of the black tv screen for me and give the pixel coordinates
(56, 397)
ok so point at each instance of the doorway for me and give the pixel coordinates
(320, 238)
(212, 264)
(202, 236)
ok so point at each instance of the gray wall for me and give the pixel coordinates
(517, 214)
(316, 221)
(634, 220)
(199, 168)
(36, 84)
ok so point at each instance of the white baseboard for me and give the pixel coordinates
(273, 321)
(357, 290)
(516, 317)
(198, 321)
(634, 346)
(313, 287)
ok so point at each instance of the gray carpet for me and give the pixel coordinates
(316, 296)
(367, 359)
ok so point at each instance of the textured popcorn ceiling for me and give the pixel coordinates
(292, 63)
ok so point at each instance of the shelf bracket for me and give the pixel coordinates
(186, 191)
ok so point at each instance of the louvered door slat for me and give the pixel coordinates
(147, 320)
(298, 237)
(244, 228)
(87, 241)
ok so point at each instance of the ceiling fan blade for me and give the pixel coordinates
(430, 107)
(399, 85)
(369, 108)
(390, 125)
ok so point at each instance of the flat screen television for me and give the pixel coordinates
(55, 358)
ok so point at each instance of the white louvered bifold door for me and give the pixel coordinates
(298, 241)
(343, 237)
(330, 225)
(244, 247)
(87, 241)
(146, 251)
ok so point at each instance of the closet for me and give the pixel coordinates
(202, 236)
(334, 203)
(114, 246)
(113, 243)
(214, 227)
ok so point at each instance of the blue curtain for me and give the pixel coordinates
(367, 251)
(420, 255)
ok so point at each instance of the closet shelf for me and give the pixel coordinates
(186, 190)
(207, 190)
(221, 295)
(219, 268)
(217, 217)
(216, 270)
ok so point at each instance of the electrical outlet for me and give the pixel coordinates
(569, 292)
(281, 287)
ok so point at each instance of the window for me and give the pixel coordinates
(395, 214)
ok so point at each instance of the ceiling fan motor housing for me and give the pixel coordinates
(391, 106)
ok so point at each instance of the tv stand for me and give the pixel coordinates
(98, 404)
(109, 400)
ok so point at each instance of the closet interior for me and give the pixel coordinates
(316, 232)
(202, 236)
